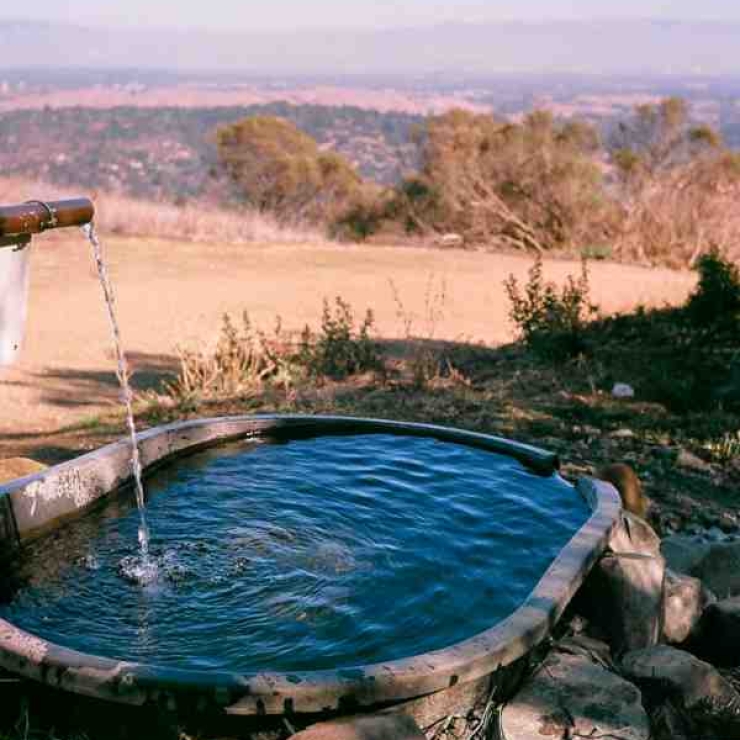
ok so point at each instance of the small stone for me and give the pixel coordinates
(371, 727)
(623, 390)
(623, 433)
(670, 522)
(690, 461)
(450, 240)
(728, 522)
(577, 625)
(709, 699)
(714, 534)
(683, 606)
(573, 696)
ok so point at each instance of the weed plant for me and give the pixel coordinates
(245, 360)
(550, 321)
(340, 349)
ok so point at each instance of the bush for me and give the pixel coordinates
(245, 360)
(242, 360)
(364, 216)
(281, 170)
(532, 185)
(550, 322)
(717, 298)
(339, 349)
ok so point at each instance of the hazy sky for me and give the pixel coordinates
(291, 14)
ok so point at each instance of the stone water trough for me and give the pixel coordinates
(428, 686)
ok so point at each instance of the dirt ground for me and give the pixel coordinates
(172, 294)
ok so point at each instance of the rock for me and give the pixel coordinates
(718, 637)
(572, 696)
(684, 602)
(690, 461)
(634, 534)
(450, 240)
(623, 595)
(371, 727)
(682, 554)
(714, 534)
(581, 644)
(623, 433)
(631, 600)
(622, 390)
(728, 522)
(18, 467)
(719, 569)
(709, 699)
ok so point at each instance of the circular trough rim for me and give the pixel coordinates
(274, 693)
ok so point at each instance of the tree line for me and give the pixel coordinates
(657, 186)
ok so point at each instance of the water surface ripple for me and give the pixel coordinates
(312, 554)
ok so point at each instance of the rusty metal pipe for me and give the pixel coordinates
(36, 216)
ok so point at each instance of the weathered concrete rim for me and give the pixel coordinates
(38, 501)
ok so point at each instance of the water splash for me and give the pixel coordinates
(147, 564)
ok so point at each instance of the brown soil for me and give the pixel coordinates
(173, 294)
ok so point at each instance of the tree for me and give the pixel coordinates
(282, 170)
(678, 185)
(657, 138)
(531, 185)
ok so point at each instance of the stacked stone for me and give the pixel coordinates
(637, 660)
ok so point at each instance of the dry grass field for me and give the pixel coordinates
(173, 293)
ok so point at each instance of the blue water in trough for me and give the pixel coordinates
(306, 554)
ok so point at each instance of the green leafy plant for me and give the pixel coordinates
(551, 321)
(340, 348)
(717, 297)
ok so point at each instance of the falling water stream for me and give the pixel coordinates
(146, 569)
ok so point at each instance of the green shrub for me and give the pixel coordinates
(717, 297)
(551, 322)
(363, 218)
(340, 349)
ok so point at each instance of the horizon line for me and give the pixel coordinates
(92, 25)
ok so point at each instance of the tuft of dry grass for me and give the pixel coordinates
(242, 361)
(195, 222)
(427, 360)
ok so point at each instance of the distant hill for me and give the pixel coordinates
(170, 153)
(594, 47)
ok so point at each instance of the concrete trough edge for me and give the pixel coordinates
(32, 505)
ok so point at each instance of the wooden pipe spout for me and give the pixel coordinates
(36, 216)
